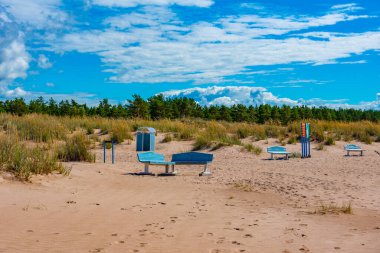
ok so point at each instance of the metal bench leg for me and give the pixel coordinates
(146, 168)
(166, 169)
(271, 156)
(206, 171)
(287, 157)
(348, 153)
(173, 170)
(361, 153)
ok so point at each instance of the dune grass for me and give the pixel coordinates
(44, 128)
(23, 161)
(24, 139)
(345, 208)
(76, 148)
(252, 148)
(245, 185)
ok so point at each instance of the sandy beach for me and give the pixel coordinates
(249, 204)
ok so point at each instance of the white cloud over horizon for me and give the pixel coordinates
(232, 95)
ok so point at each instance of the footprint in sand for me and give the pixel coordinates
(97, 250)
(304, 249)
(220, 241)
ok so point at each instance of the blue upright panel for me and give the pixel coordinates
(145, 139)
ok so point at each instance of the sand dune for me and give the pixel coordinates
(250, 204)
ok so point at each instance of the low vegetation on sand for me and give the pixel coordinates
(334, 209)
(71, 138)
(23, 161)
(76, 148)
(253, 149)
(244, 185)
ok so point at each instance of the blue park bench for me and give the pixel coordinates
(191, 158)
(278, 150)
(353, 148)
(152, 158)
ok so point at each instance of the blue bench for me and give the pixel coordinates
(353, 148)
(195, 158)
(152, 158)
(278, 150)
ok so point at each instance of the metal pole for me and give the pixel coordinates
(113, 154)
(104, 152)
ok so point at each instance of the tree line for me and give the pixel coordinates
(159, 107)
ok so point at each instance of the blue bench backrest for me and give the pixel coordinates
(352, 146)
(276, 149)
(150, 156)
(192, 157)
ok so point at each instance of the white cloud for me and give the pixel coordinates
(80, 97)
(133, 3)
(353, 62)
(37, 13)
(49, 84)
(14, 59)
(230, 95)
(152, 45)
(17, 92)
(346, 7)
(43, 62)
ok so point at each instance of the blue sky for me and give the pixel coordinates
(216, 51)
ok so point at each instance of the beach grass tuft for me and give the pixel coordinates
(345, 208)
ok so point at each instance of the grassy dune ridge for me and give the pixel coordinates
(36, 144)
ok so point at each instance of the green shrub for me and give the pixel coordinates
(318, 135)
(90, 130)
(292, 140)
(120, 132)
(365, 138)
(76, 149)
(329, 141)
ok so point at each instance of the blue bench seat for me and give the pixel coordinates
(278, 150)
(353, 148)
(152, 158)
(190, 158)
